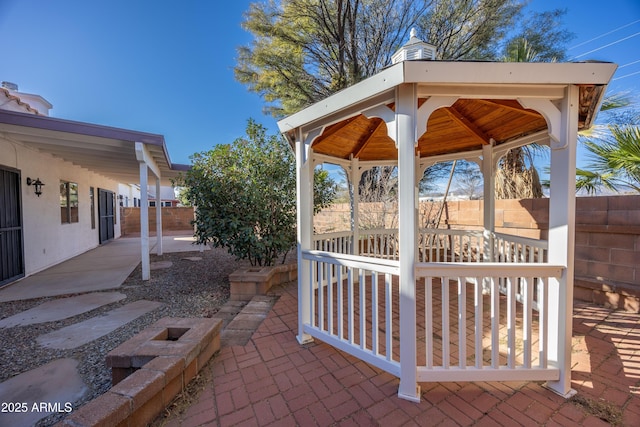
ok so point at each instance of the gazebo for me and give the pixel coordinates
(432, 304)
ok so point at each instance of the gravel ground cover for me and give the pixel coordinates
(189, 287)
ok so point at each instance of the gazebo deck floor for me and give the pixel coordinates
(438, 337)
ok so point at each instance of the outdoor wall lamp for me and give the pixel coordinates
(37, 184)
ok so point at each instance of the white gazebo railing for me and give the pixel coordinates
(352, 306)
(476, 336)
(479, 317)
(437, 245)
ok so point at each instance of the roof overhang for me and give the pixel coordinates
(488, 87)
(108, 151)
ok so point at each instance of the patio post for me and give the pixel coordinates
(158, 218)
(304, 191)
(406, 106)
(561, 241)
(146, 161)
(144, 221)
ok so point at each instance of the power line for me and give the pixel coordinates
(626, 75)
(605, 34)
(630, 63)
(607, 45)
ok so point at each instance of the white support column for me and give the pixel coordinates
(158, 218)
(355, 183)
(146, 161)
(561, 242)
(304, 190)
(144, 221)
(489, 203)
(406, 106)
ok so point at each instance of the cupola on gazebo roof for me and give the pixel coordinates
(414, 49)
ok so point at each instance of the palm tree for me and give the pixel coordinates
(516, 176)
(615, 161)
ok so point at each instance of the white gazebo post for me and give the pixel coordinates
(561, 239)
(489, 202)
(406, 106)
(354, 176)
(304, 190)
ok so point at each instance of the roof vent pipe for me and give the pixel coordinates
(414, 49)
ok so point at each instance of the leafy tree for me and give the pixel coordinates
(244, 195)
(469, 180)
(182, 197)
(469, 29)
(543, 36)
(325, 190)
(306, 50)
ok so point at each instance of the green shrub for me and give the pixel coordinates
(245, 196)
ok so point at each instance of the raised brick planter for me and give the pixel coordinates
(251, 281)
(149, 370)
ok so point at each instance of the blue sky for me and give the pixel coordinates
(166, 67)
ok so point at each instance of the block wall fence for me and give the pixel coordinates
(173, 219)
(607, 244)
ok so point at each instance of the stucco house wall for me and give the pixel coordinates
(47, 241)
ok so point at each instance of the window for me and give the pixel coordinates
(68, 202)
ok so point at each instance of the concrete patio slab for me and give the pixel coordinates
(102, 268)
(41, 391)
(81, 333)
(59, 309)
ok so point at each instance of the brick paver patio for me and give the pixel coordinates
(273, 381)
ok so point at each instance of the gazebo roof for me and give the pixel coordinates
(485, 106)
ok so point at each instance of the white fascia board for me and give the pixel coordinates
(508, 80)
(373, 91)
(509, 73)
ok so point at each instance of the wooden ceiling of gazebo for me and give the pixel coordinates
(465, 126)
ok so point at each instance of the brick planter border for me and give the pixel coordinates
(149, 370)
(251, 281)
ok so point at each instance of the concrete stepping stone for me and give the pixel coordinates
(40, 392)
(158, 265)
(63, 308)
(73, 336)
